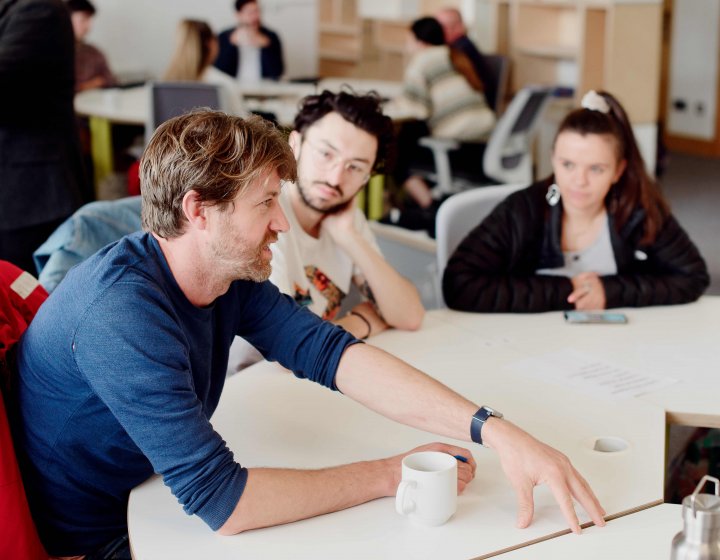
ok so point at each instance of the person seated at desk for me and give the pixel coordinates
(250, 51)
(339, 139)
(442, 91)
(196, 47)
(596, 234)
(91, 67)
(122, 368)
(456, 37)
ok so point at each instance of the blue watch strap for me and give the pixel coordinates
(478, 421)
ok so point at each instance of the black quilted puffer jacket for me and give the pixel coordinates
(493, 269)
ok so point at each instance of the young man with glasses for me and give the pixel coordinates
(338, 141)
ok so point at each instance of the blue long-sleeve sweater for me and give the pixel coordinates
(119, 376)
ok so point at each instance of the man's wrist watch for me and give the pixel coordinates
(478, 421)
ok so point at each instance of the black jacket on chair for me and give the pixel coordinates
(465, 45)
(41, 170)
(493, 268)
(272, 64)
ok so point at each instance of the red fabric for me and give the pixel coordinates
(18, 537)
(16, 312)
(133, 177)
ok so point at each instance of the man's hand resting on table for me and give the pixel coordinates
(275, 496)
(528, 462)
(465, 471)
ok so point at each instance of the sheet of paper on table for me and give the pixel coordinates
(590, 374)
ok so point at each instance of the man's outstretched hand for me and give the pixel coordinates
(528, 462)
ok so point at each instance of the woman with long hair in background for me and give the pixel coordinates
(597, 234)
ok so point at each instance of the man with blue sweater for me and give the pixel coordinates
(122, 368)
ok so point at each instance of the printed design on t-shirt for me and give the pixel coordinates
(364, 288)
(301, 297)
(332, 294)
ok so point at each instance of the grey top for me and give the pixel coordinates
(598, 257)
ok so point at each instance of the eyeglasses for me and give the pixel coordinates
(326, 158)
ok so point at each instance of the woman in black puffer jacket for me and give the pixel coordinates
(597, 234)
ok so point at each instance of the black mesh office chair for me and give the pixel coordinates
(170, 99)
(498, 67)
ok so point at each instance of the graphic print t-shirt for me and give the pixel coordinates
(316, 272)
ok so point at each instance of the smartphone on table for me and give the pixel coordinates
(596, 317)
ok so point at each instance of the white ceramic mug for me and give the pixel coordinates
(428, 491)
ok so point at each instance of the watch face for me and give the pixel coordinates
(493, 412)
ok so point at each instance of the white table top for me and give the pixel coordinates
(273, 88)
(292, 423)
(646, 534)
(124, 106)
(677, 341)
(131, 105)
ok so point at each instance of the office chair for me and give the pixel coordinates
(507, 156)
(170, 99)
(498, 66)
(459, 214)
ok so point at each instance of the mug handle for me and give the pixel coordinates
(400, 506)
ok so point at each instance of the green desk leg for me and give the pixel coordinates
(360, 199)
(101, 148)
(375, 197)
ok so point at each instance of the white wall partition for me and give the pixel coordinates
(692, 97)
(138, 36)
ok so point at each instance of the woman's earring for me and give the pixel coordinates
(553, 195)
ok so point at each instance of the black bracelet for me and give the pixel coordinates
(362, 317)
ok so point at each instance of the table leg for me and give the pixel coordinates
(375, 189)
(360, 200)
(101, 148)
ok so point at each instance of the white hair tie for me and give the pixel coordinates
(595, 102)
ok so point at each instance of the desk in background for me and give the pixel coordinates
(107, 107)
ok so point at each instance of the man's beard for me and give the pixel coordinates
(245, 263)
(258, 269)
(310, 204)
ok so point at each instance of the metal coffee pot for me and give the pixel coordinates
(700, 537)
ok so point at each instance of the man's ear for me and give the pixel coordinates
(194, 210)
(295, 140)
